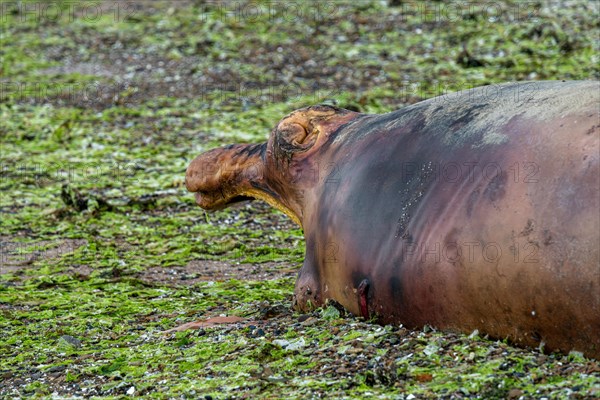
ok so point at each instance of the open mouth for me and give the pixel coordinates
(210, 201)
(239, 199)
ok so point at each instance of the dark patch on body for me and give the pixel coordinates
(402, 226)
(547, 237)
(528, 229)
(259, 149)
(358, 277)
(395, 285)
(592, 129)
(496, 189)
(450, 243)
(471, 201)
(412, 190)
(466, 118)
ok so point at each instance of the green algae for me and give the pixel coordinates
(78, 274)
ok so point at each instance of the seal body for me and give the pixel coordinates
(475, 210)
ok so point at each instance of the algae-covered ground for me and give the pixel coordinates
(103, 104)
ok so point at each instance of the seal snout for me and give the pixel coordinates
(225, 175)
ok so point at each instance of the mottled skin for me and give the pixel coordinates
(475, 210)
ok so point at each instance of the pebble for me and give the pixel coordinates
(309, 321)
(73, 341)
(514, 393)
(303, 317)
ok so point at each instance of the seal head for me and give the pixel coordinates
(279, 171)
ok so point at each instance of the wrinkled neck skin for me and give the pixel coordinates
(293, 151)
(272, 188)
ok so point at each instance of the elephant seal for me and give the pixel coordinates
(474, 210)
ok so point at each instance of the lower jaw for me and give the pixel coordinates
(257, 194)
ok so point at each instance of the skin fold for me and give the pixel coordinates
(473, 210)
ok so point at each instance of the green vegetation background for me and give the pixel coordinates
(103, 107)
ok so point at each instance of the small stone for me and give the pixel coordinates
(56, 368)
(515, 393)
(296, 345)
(309, 321)
(270, 312)
(303, 317)
(354, 350)
(431, 349)
(131, 391)
(424, 377)
(73, 341)
(290, 345)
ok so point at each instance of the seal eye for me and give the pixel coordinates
(310, 139)
(296, 133)
(292, 137)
